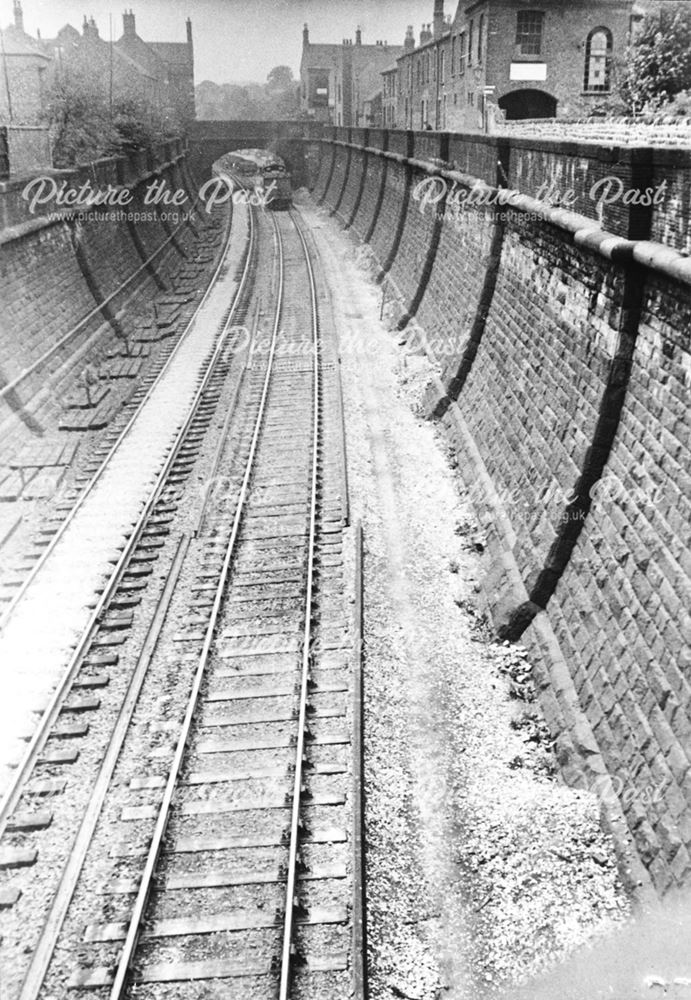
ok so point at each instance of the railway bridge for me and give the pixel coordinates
(344, 564)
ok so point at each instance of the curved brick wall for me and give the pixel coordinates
(355, 178)
(564, 375)
(54, 273)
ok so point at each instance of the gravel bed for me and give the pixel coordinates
(160, 693)
(483, 868)
(60, 596)
(120, 842)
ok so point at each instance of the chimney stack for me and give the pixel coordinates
(129, 27)
(438, 18)
(190, 40)
(358, 35)
(306, 35)
(18, 15)
(409, 41)
(90, 28)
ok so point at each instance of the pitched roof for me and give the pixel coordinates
(321, 56)
(174, 53)
(141, 54)
(18, 43)
(70, 42)
(146, 71)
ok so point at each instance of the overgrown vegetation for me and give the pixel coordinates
(86, 126)
(656, 75)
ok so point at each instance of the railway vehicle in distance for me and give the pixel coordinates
(259, 170)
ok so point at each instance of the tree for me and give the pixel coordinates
(85, 127)
(287, 104)
(80, 126)
(280, 78)
(658, 63)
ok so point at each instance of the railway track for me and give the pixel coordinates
(27, 568)
(55, 776)
(227, 840)
(57, 578)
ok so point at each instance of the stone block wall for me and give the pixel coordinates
(564, 367)
(66, 281)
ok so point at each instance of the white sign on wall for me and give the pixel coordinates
(528, 71)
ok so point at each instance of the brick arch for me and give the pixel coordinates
(527, 103)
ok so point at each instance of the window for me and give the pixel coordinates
(461, 53)
(470, 44)
(598, 61)
(480, 33)
(319, 90)
(442, 66)
(529, 32)
(453, 55)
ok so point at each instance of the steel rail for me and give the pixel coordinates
(223, 437)
(14, 791)
(40, 960)
(360, 970)
(127, 955)
(8, 611)
(288, 926)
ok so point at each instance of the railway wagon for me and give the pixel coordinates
(261, 171)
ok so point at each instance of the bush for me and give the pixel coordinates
(84, 128)
(658, 63)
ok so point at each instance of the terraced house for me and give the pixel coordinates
(24, 68)
(340, 83)
(530, 60)
(160, 73)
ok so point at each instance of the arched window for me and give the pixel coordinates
(598, 61)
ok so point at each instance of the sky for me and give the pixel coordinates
(235, 40)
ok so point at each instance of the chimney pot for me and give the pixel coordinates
(438, 18)
(129, 24)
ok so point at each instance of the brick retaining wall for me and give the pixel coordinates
(54, 272)
(565, 364)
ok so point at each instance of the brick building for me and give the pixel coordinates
(336, 81)
(171, 64)
(531, 60)
(23, 74)
(389, 102)
(159, 73)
